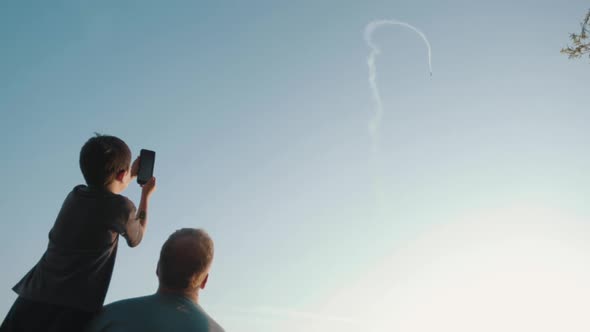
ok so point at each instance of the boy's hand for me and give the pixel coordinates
(148, 188)
(135, 168)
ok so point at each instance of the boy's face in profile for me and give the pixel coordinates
(121, 181)
(127, 178)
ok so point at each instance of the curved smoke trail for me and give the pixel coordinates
(375, 122)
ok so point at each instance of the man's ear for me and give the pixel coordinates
(120, 176)
(158, 269)
(204, 282)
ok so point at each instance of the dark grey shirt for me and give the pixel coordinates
(75, 270)
(154, 313)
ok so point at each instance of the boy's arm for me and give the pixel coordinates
(137, 224)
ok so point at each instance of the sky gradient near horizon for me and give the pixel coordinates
(474, 214)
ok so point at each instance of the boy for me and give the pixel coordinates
(69, 284)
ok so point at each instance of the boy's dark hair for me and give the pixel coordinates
(102, 157)
(187, 253)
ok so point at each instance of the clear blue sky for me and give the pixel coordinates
(258, 112)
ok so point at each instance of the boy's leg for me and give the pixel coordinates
(8, 324)
(31, 316)
(26, 315)
(70, 320)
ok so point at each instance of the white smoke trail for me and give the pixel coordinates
(375, 122)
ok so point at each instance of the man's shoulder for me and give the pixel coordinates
(213, 326)
(155, 311)
(128, 310)
(131, 302)
(124, 308)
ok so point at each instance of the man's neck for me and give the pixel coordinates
(190, 294)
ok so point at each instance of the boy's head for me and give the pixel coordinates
(105, 159)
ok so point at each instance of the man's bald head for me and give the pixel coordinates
(185, 259)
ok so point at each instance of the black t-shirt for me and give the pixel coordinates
(76, 269)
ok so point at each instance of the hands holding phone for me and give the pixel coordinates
(149, 187)
(144, 172)
(135, 168)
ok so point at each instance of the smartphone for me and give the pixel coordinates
(147, 158)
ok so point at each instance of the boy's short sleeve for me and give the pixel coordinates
(128, 225)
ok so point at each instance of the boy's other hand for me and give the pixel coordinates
(149, 187)
(135, 167)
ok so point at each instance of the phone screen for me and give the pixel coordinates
(147, 158)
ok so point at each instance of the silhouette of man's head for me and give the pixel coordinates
(185, 260)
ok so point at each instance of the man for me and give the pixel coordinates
(183, 270)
